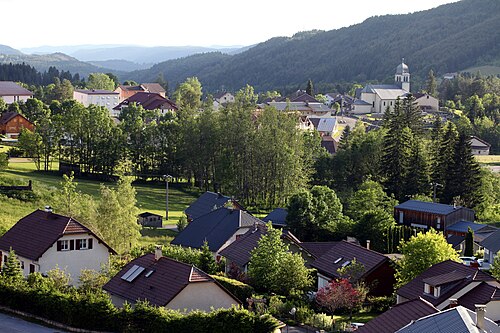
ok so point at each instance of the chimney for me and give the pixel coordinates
(158, 252)
(480, 311)
(48, 209)
(453, 303)
(368, 244)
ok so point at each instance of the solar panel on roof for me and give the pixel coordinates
(132, 273)
(346, 263)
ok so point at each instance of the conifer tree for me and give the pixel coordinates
(207, 261)
(310, 88)
(11, 269)
(418, 177)
(444, 156)
(344, 142)
(469, 243)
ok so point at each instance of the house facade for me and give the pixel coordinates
(128, 91)
(426, 102)
(44, 240)
(420, 214)
(11, 124)
(168, 283)
(149, 101)
(11, 92)
(148, 219)
(479, 146)
(105, 98)
(221, 99)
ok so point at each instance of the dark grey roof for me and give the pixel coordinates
(206, 203)
(455, 240)
(492, 242)
(428, 207)
(454, 320)
(463, 226)
(360, 102)
(9, 88)
(147, 214)
(216, 228)
(277, 217)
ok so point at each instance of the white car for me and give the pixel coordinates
(467, 260)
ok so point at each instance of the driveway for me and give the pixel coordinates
(10, 324)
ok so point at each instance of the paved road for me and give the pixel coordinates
(9, 324)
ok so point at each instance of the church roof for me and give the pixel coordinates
(402, 68)
(385, 91)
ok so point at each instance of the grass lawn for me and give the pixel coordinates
(488, 159)
(360, 317)
(153, 236)
(150, 196)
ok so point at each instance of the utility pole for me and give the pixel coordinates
(434, 187)
(166, 196)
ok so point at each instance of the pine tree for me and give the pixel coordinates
(463, 175)
(469, 243)
(310, 88)
(444, 156)
(418, 178)
(12, 269)
(431, 84)
(207, 261)
(344, 142)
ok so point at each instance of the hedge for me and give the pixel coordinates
(241, 290)
(96, 312)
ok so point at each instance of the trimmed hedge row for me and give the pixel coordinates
(96, 312)
(241, 290)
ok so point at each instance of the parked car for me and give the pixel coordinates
(468, 260)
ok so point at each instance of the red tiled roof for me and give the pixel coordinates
(399, 316)
(154, 88)
(149, 101)
(169, 278)
(415, 288)
(32, 235)
(329, 263)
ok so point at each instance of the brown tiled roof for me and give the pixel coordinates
(329, 263)
(149, 101)
(445, 278)
(415, 288)
(398, 316)
(239, 250)
(32, 235)
(482, 294)
(169, 278)
(9, 88)
(317, 249)
(131, 88)
(9, 115)
(154, 88)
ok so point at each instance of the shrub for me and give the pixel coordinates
(381, 303)
(182, 223)
(322, 321)
(239, 289)
(303, 314)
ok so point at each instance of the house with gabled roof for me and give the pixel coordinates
(168, 283)
(12, 92)
(208, 202)
(148, 219)
(149, 101)
(479, 146)
(426, 102)
(11, 124)
(452, 280)
(44, 240)
(222, 99)
(219, 228)
(491, 245)
(105, 98)
(331, 256)
(128, 91)
(277, 217)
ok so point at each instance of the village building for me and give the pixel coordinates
(222, 99)
(208, 202)
(44, 240)
(149, 101)
(106, 98)
(148, 219)
(11, 92)
(128, 91)
(479, 146)
(11, 124)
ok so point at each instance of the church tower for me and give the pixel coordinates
(402, 76)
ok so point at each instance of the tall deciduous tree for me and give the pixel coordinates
(100, 81)
(274, 269)
(339, 294)
(188, 95)
(421, 252)
(431, 85)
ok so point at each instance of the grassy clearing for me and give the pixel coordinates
(150, 196)
(360, 317)
(153, 236)
(488, 159)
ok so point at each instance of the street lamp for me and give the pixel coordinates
(166, 177)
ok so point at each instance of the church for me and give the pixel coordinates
(375, 98)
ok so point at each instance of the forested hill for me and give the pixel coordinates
(448, 38)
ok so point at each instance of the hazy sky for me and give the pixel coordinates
(29, 23)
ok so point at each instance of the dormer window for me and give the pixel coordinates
(431, 290)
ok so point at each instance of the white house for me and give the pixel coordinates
(222, 99)
(479, 146)
(168, 283)
(106, 98)
(426, 102)
(11, 92)
(44, 240)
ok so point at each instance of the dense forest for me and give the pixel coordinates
(449, 38)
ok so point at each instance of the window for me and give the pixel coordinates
(32, 268)
(21, 263)
(81, 244)
(63, 245)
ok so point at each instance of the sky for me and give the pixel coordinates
(33, 23)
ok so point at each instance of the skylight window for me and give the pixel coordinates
(346, 263)
(132, 273)
(338, 260)
(148, 274)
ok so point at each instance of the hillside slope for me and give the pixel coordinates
(447, 38)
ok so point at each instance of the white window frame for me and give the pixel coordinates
(84, 243)
(65, 245)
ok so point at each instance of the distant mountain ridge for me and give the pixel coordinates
(4, 49)
(448, 38)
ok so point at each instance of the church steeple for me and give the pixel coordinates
(402, 77)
